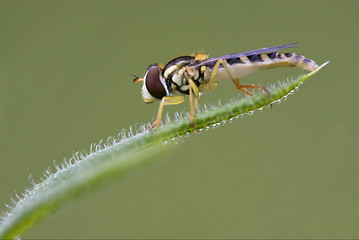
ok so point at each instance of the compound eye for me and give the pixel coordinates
(153, 83)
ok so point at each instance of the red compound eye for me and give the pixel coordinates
(153, 83)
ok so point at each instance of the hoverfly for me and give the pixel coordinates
(193, 74)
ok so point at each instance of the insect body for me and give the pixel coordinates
(190, 75)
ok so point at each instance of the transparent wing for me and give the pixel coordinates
(257, 51)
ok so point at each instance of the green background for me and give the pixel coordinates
(66, 82)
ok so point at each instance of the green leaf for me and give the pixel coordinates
(84, 172)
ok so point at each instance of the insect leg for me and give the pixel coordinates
(193, 99)
(195, 105)
(167, 100)
(212, 83)
(191, 105)
(235, 80)
(238, 85)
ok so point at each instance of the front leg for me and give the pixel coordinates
(167, 100)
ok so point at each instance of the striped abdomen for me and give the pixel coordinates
(246, 65)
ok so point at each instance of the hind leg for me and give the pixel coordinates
(236, 82)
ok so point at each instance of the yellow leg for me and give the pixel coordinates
(168, 100)
(195, 105)
(235, 80)
(212, 83)
(194, 88)
(193, 100)
(191, 106)
(195, 111)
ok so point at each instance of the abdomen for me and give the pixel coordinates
(243, 66)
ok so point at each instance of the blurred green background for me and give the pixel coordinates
(290, 172)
